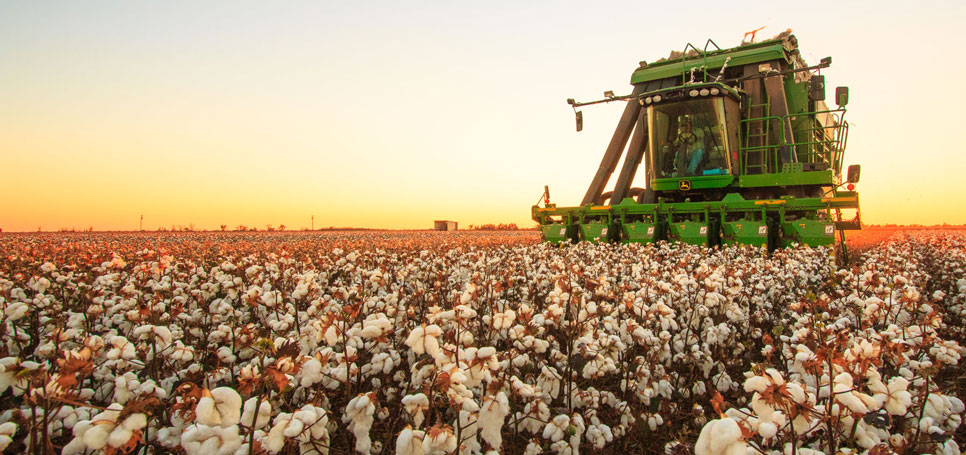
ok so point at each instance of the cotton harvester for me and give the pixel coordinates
(737, 145)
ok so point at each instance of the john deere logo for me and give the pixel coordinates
(684, 185)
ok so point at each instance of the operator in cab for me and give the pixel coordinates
(687, 148)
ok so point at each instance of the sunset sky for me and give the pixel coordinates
(393, 114)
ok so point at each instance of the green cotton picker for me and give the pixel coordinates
(738, 146)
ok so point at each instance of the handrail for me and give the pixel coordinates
(684, 59)
(710, 41)
(820, 143)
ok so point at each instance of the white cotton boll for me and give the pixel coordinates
(955, 405)
(293, 428)
(775, 376)
(439, 440)
(502, 321)
(331, 335)
(7, 431)
(135, 421)
(491, 419)
(264, 413)
(850, 400)
(358, 415)
(276, 437)
(230, 440)
(225, 355)
(209, 446)
(486, 352)
(415, 405)
(228, 405)
(720, 437)
(409, 442)
(767, 429)
(423, 340)
(205, 413)
(119, 436)
(74, 447)
(935, 406)
(311, 372)
(96, 436)
(556, 429)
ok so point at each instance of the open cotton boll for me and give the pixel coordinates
(135, 421)
(416, 405)
(96, 436)
(284, 427)
(311, 372)
(409, 442)
(439, 440)
(492, 415)
(264, 413)
(556, 429)
(504, 320)
(894, 397)
(376, 326)
(205, 440)
(7, 430)
(228, 404)
(205, 413)
(720, 437)
(119, 436)
(423, 340)
(358, 414)
(767, 429)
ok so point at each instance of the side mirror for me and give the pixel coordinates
(855, 171)
(816, 88)
(841, 96)
(580, 121)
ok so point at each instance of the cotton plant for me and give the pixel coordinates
(410, 442)
(617, 339)
(424, 340)
(219, 407)
(416, 406)
(359, 418)
(307, 426)
(492, 416)
(439, 440)
(104, 430)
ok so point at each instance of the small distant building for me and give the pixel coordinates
(443, 225)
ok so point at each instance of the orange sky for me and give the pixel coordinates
(389, 116)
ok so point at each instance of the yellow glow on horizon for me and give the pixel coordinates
(392, 117)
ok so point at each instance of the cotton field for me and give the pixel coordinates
(439, 343)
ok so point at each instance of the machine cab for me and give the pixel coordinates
(693, 135)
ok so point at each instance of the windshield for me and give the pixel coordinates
(688, 138)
